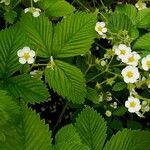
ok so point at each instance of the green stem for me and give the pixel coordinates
(117, 65)
(82, 5)
(60, 117)
(103, 5)
(96, 76)
(142, 98)
(31, 3)
(114, 74)
(19, 1)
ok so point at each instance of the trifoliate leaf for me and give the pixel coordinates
(143, 43)
(74, 34)
(56, 8)
(143, 18)
(11, 40)
(91, 128)
(31, 133)
(28, 88)
(67, 81)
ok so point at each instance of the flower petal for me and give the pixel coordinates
(32, 53)
(30, 60)
(22, 60)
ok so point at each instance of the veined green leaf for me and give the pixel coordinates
(143, 42)
(66, 135)
(92, 95)
(119, 86)
(143, 18)
(127, 139)
(28, 88)
(91, 128)
(39, 31)
(129, 10)
(9, 111)
(67, 81)
(74, 35)
(71, 146)
(119, 22)
(56, 8)
(30, 134)
(11, 40)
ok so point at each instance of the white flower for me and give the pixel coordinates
(100, 28)
(130, 74)
(133, 104)
(7, 2)
(146, 63)
(35, 11)
(140, 5)
(35, 1)
(131, 59)
(122, 50)
(26, 55)
(103, 63)
(108, 113)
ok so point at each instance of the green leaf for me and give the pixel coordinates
(71, 146)
(129, 10)
(74, 35)
(120, 111)
(39, 31)
(116, 124)
(57, 8)
(91, 128)
(11, 40)
(119, 22)
(119, 86)
(30, 134)
(143, 42)
(10, 16)
(127, 139)
(67, 134)
(134, 125)
(28, 88)
(92, 95)
(67, 81)
(143, 18)
(9, 111)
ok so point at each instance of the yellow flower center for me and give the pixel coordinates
(26, 56)
(122, 52)
(100, 28)
(148, 63)
(131, 59)
(129, 74)
(132, 104)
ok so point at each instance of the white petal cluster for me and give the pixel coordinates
(26, 55)
(130, 74)
(146, 63)
(131, 59)
(7, 2)
(122, 50)
(133, 104)
(140, 5)
(101, 29)
(35, 11)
